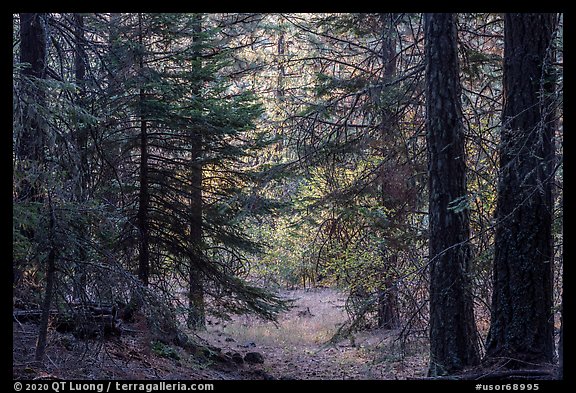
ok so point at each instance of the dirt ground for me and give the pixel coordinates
(293, 348)
(296, 347)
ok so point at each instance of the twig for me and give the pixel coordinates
(19, 323)
(512, 373)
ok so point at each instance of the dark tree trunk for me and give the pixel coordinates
(522, 320)
(196, 312)
(48, 291)
(81, 136)
(33, 52)
(388, 309)
(79, 53)
(28, 148)
(81, 140)
(111, 151)
(196, 316)
(453, 339)
(144, 192)
(33, 44)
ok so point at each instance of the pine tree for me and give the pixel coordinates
(33, 55)
(194, 131)
(143, 220)
(196, 307)
(522, 324)
(453, 342)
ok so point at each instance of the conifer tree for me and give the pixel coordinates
(192, 140)
(522, 324)
(453, 341)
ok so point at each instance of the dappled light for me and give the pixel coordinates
(287, 196)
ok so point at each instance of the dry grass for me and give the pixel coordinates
(297, 328)
(295, 347)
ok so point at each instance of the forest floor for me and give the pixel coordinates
(296, 346)
(293, 348)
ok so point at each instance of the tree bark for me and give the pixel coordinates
(33, 52)
(80, 60)
(48, 291)
(33, 44)
(522, 320)
(196, 316)
(29, 150)
(453, 343)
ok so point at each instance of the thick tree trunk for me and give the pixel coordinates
(522, 323)
(33, 43)
(33, 52)
(453, 339)
(28, 148)
(196, 312)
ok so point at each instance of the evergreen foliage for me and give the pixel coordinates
(189, 166)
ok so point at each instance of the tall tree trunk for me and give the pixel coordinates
(48, 290)
(81, 140)
(144, 192)
(196, 312)
(116, 73)
(522, 321)
(33, 52)
(388, 316)
(29, 151)
(81, 136)
(33, 39)
(453, 340)
(28, 148)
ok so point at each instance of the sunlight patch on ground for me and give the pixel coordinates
(313, 321)
(296, 346)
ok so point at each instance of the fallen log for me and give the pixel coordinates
(29, 315)
(84, 321)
